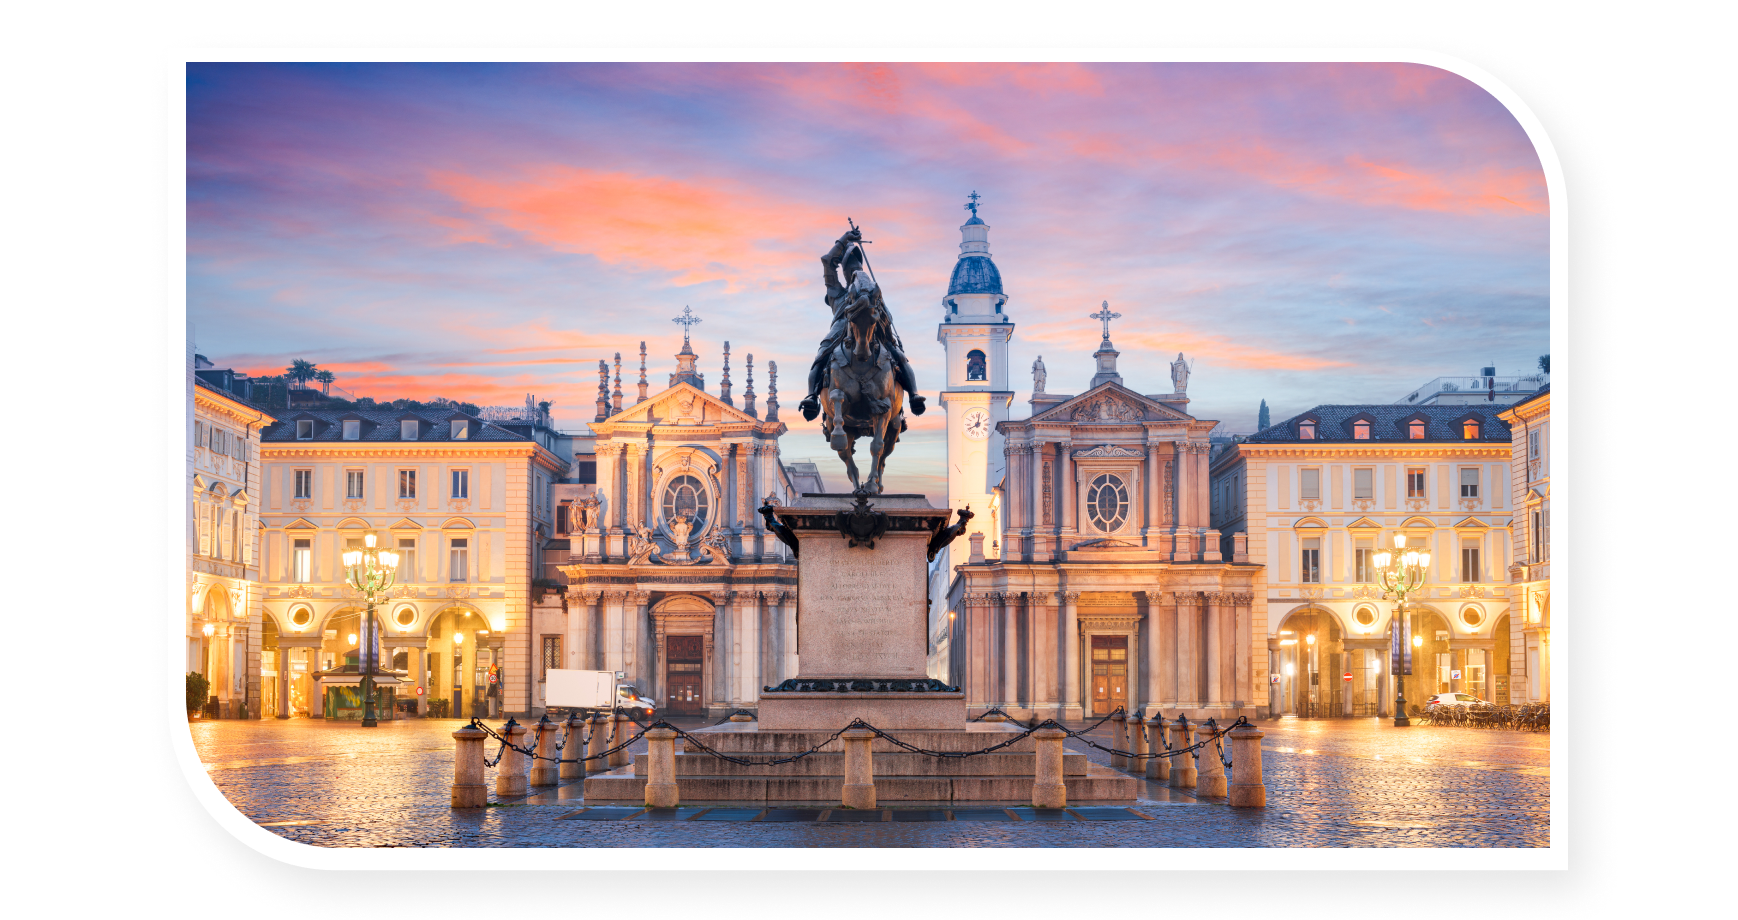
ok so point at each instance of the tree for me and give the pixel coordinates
(1545, 363)
(301, 371)
(1263, 419)
(325, 378)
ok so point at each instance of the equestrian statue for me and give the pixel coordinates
(860, 380)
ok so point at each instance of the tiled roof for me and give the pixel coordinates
(384, 426)
(1388, 423)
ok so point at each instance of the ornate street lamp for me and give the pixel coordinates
(1400, 573)
(370, 570)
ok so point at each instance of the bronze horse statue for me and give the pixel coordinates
(863, 398)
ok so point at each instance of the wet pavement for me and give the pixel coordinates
(1330, 783)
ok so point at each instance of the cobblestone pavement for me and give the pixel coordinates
(1337, 783)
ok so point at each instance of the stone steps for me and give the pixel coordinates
(1097, 784)
(894, 764)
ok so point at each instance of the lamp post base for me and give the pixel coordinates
(1401, 720)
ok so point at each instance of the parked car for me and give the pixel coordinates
(1453, 699)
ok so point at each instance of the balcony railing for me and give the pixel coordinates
(1476, 385)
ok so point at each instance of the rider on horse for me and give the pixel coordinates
(848, 251)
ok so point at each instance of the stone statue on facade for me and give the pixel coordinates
(641, 546)
(715, 549)
(680, 527)
(1038, 375)
(1180, 374)
(585, 516)
(860, 378)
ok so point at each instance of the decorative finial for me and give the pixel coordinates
(772, 391)
(748, 391)
(724, 381)
(687, 319)
(603, 391)
(616, 397)
(973, 206)
(1105, 316)
(642, 374)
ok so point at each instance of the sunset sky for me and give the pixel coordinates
(1304, 233)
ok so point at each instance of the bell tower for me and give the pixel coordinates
(974, 332)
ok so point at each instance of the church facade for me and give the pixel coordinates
(661, 567)
(1097, 582)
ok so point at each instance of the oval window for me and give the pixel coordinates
(1365, 616)
(405, 616)
(1107, 502)
(301, 616)
(686, 496)
(1471, 617)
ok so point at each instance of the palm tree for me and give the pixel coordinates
(325, 378)
(301, 371)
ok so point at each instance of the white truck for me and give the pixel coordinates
(594, 691)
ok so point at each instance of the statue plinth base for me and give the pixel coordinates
(863, 627)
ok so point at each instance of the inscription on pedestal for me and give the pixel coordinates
(862, 609)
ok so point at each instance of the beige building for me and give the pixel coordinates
(1530, 560)
(1317, 495)
(224, 602)
(463, 501)
(661, 566)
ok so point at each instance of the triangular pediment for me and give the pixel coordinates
(300, 524)
(1363, 523)
(682, 404)
(405, 524)
(1471, 523)
(1109, 403)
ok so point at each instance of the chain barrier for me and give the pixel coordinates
(991, 712)
(531, 751)
(859, 723)
(733, 712)
(701, 746)
(1193, 750)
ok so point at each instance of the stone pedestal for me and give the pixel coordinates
(863, 621)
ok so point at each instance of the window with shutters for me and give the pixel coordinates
(1311, 564)
(407, 483)
(551, 656)
(302, 561)
(458, 560)
(1363, 566)
(407, 559)
(1469, 482)
(204, 528)
(1469, 562)
(1415, 482)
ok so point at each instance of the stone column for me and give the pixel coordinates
(859, 789)
(748, 673)
(577, 609)
(1159, 764)
(1182, 492)
(1137, 733)
(419, 676)
(573, 748)
(661, 790)
(974, 676)
(1035, 495)
(545, 772)
(510, 773)
(1065, 485)
(1243, 686)
(1048, 786)
(1010, 650)
(1072, 707)
(1188, 649)
(284, 681)
(631, 495)
(1155, 491)
(1119, 732)
(719, 668)
(654, 685)
(1246, 789)
(469, 790)
(631, 633)
(1212, 639)
(1384, 684)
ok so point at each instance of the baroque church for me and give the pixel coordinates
(660, 566)
(1093, 578)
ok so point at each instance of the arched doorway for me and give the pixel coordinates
(271, 658)
(1432, 658)
(1309, 657)
(461, 658)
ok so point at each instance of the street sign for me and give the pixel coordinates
(419, 691)
(492, 676)
(1348, 676)
(1275, 679)
(1454, 675)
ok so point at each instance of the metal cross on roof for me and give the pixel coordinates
(1106, 316)
(974, 196)
(687, 319)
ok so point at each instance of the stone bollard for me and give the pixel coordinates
(1048, 788)
(622, 731)
(545, 772)
(510, 772)
(1137, 736)
(859, 791)
(1210, 781)
(1119, 732)
(1158, 765)
(598, 744)
(1182, 762)
(1247, 789)
(661, 789)
(573, 748)
(741, 717)
(469, 791)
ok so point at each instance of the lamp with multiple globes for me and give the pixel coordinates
(372, 571)
(1401, 572)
